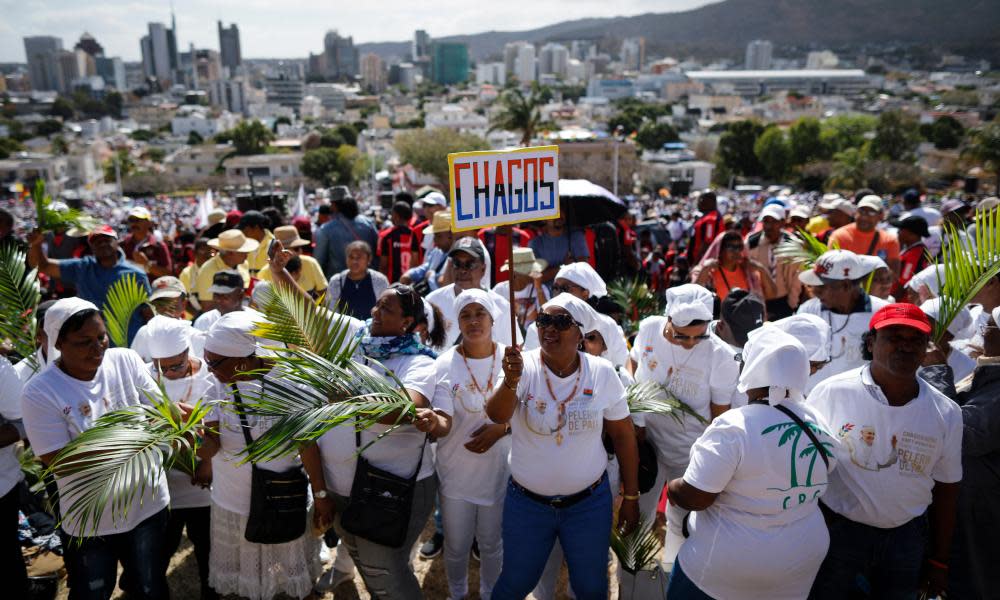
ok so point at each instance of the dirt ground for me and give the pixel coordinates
(183, 577)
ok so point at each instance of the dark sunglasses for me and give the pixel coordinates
(559, 289)
(464, 265)
(214, 364)
(592, 337)
(560, 322)
(680, 337)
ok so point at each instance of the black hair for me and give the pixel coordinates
(202, 241)
(6, 218)
(348, 207)
(858, 195)
(435, 336)
(404, 196)
(76, 322)
(868, 336)
(404, 210)
(294, 264)
(274, 217)
(606, 306)
(358, 245)
(325, 209)
(731, 235)
(412, 306)
(41, 310)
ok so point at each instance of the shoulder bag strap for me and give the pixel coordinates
(239, 410)
(420, 461)
(812, 436)
(875, 241)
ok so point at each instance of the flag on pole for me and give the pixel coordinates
(205, 206)
(300, 205)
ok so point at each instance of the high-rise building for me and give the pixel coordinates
(207, 66)
(633, 55)
(229, 94)
(89, 45)
(553, 59)
(229, 46)
(581, 50)
(524, 64)
(285, 91)
(112, 70)
(449, 62)
(421, 47)
(341, 56)
(758, 56)
(373, 72)
(159, 53)
(492, 73)
(822, 60)
(510, 51)
(43, 61)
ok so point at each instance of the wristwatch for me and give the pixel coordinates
(321, 494)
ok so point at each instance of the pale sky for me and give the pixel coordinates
(291, 28)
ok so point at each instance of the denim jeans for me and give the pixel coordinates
(92, 563)
(682, 588)
(530, 529)
(865, 561)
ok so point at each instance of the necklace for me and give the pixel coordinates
(673, 360)
(843, 338)
(489, 380)
(561, 405)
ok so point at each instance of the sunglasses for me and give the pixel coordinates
(680, 337)
(559, 322)
(215, 364)
(464, 265)
(181, 366)
(560, 289)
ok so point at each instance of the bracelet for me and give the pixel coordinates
(506, 384)
(630, 497)
(937, 563)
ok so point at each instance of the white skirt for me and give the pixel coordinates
(260, 571)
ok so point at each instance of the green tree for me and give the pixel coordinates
(113, 103)
(194, 138)
(125, 166)
(773, 152)
(348, 133)
(427, 149)
(984, 147)
(331, 138)
(519, 113)
(59, 145)
(155, 154)
(896, 137)
(946, 132)
(48, 127)
(9, 146)
(848, 171)
(633, 113)
(805, 141)
(653, 135)
(846, 131)
(143, 135)
(280, 120)
(251, 137)
(736, 148)
(328, 166)
(62, 107)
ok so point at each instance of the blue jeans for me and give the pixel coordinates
(92, 563)
(869, 562)
(531, 528)
(682, 588)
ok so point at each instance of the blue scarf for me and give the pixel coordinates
(382, 348)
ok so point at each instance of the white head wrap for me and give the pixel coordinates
(476, 296)
(931, 276)
(232, 334)
(577, 308)
(616, 349)
(428, 314)
(262, 292)
(56, 317)
(168, 336)
(960, 327)
(689, 302)
(777, 361)
(810, 330)
(584, 275)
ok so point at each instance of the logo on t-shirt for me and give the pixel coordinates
(801, 472)
(861, 446)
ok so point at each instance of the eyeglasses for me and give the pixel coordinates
(560, 322)
(680, 337)
(568, 289)
(181, 366)
(214, 364)
(593, 337)
(464, 266)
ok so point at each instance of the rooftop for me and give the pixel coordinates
(779, 74)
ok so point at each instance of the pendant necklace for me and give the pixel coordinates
(561, 405)
(489, 380)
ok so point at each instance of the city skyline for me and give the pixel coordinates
(294, 28)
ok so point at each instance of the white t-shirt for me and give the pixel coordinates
(465, 475)
(57, 408)
(188, 390)
(931, 215)
(556, 457)
(10, 410)
(140, 343)
(700, 377)
(25, 370)
(526, 299)
(444, 299)
(769, 477)
(230, 479)
(397, 452)
(845, 338)
(889, 456)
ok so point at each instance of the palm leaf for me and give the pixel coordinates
(47, 219)
(125, 296)
(655, 398)
(802, 248)
(19, 297)
(968, 266)
(639, 549)
(295, 321)
(636, 298)
(111, 465)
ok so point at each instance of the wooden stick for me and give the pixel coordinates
(510, 283)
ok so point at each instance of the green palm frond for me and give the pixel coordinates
(636, 298)
(47, 219)
(321, 385)
(968, 266)
(639, 549)
(110, 465)
(125, 296)
(802, 248)
(655, 398)
(19, 297)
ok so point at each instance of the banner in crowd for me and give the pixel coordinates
(494, 188)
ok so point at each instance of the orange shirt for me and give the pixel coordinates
(727, 280)
(850, 238)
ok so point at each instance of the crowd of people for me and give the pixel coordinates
(827, 444)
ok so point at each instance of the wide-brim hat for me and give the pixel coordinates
(289, 237)
(440, 223)
(234, 240)
(525, 262)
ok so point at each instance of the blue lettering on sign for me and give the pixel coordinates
(462, 216)
(546, 184)
(531, 199)
(499, 191)
(515, 192)
(483, 190)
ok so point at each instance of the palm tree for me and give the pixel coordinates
(519, 113)
(794, 433)
(811, 450)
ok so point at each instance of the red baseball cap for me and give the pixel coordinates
(907, 315)
(103, 230)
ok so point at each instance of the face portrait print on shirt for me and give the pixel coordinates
(861, 445)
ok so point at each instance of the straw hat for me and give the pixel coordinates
(439, 223)
(525, 262)
(288, 235)
(233, 240)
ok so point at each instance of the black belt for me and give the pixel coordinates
(560, 501)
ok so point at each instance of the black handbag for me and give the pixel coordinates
(278, 501)
(381, 502)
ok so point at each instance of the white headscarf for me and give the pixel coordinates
(931, 276)
(996, 315)
(578, 309)
(476, 296)
(429, 314)
(167, 336)
(584, 275)
(689, 302)
(777, 361)
(56, 317)
(960, 327)
(616, 350)
(810, 330)
(232, 335)
(262, 292)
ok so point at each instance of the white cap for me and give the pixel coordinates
(167, 336)
(800, 211)
(689, 302)
(774, 211)
(476, 296)
(828, 200)
(775, 360)
(871, 201)
(810, 330)
(56, 316)
(578, 309)
(584, 275)
(436, 198)
(960, 326)
(835, 264)
(140, 212)
(232, 335)
(932, 277)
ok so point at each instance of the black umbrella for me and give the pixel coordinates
(586, 203)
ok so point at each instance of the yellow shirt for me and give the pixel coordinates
(311, 279)
(207, 272)
(257, 259)
(188, 277)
